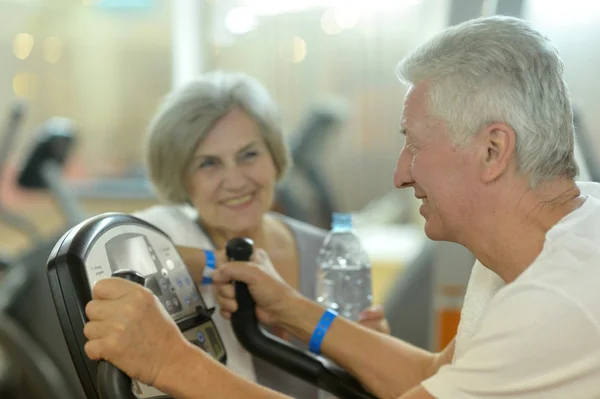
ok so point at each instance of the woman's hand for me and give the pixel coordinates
(374, 318)
(129, 328)
(195, 260)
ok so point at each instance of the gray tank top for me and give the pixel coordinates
(308, 240)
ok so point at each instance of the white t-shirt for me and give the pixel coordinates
(538, 337)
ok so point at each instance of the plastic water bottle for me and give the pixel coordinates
(344, 279)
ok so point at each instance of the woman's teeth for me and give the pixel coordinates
(238, 200)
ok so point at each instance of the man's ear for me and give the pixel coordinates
(499, 147)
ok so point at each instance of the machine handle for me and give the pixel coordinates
(240, 250)
(311, 368)
(112, 382)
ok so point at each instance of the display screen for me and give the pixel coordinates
(132, 253)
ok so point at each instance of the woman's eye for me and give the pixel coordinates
(207, 163)
(249, 154)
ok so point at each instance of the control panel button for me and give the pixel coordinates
(175, 302)
(179, 283)
(187, 300)
(170, 264)
(195, 297)
(201, 338)
(164, 284)
(169, 305)
(188, 281)
(164, 272)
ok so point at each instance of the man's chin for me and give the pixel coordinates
(433, 232)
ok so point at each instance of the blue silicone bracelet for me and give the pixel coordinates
(209, 267)
(321, 330)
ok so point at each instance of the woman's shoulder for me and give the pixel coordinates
(163, 212)
(177, 221)
(305, 234)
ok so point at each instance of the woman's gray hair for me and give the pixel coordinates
(499, 69)
(189, 113)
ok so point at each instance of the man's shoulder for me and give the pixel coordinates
(532, 342)
(558, 296)
(589, 188)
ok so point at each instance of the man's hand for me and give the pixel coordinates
(129, 328)
(272, 295)
(374, 318)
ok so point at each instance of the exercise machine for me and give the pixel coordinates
(8, 218)
(31, 317)
(45, 162)
(305, 194)
(120, 245)
(26, 369)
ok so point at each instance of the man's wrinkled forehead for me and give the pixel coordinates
(415, 107)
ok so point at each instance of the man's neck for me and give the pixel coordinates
(519, 226)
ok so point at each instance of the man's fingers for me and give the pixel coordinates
(226, 315)
(227, 305)
(93, 349)
(98, 310)
(95, 330)
(238, 271)
(226, 290)
(112, 288)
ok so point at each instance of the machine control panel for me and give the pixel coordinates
(157, 260)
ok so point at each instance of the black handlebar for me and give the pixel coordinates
(311, 368)
(112, 382)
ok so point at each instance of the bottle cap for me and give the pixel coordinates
(341, 220)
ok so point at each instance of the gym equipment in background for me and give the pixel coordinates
(305, 193)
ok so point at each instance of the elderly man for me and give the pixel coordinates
(489, 150)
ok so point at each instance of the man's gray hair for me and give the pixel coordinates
(188, 114)
(499, 69)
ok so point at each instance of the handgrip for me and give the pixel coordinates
(241, 249)
(112, 382)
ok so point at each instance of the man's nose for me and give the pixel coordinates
(402, 174)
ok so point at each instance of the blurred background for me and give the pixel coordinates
(106, 64)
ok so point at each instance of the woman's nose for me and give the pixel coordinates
(234, 177)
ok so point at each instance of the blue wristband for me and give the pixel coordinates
(209, 267)
(320, 331)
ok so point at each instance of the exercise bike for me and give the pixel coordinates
(120, 245)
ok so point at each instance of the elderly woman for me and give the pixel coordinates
(215, 151)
